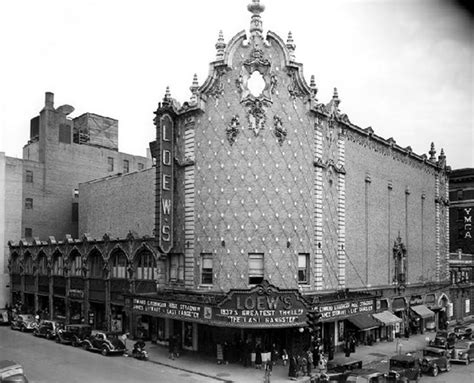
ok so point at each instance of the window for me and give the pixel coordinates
(75, 193)
(177, 268)
(29, 176)
(58, 265)
(28, 203)
(140, 166)
(206, 269)
(28, 264)
(126, 166)
(303, 268)
(28, 232)
(118, 263)
(110, 163)
(145, 266)
(96, 265)
(42, 269)
(459, 195)
(75, 212)
(64, 133)
(255, 268)
(76, 266)
(15, 265)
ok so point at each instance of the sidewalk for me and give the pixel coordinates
(192, 362)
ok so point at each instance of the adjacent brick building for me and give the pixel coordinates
(268, 204)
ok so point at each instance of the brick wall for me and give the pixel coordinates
(117, 205)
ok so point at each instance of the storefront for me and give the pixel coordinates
(399, 308)
(390, 323)
(261, 316)
(423, 318)
(76, 304)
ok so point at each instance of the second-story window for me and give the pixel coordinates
(118, 265)
(29, 176)
(206, 269)
(76, 266)
(42, 269)
(176, 273)
(96, 266)
(303, 268)
(140, 166)
(110, 164)
(145, 266)
(57, 265)
(28, 203)
(126, 166)
(255, 268)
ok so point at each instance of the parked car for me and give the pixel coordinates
(435, 360)
(106, 343)
(11, 372)
(24, 322)
(444, 339)
(463, 351)
(48, 329)
(463, 332)
(73, 334)
(4, 317)
(344, 364)
(366, 375)
(405, 367)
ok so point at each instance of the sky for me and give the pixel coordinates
(403, 67)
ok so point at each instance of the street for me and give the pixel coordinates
(46, 361)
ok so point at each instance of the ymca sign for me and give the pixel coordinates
(467, 222)
(165, 210)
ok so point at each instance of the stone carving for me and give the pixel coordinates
(293, 87)
(256, 115)
(232, 130)
(280, 131)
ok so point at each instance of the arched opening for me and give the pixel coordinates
(145, 266)
(118, 265)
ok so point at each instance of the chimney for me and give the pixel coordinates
(49, 100)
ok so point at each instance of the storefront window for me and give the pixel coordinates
(118, 263)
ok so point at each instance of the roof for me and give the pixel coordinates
(364, 322)
(387, 318)
(423, 311)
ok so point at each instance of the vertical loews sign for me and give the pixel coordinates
(166, 184)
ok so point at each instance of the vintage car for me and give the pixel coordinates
(404, 367)
(12, 372)
(443, 339)
(343, 364)
(24, 322)
(463, 351)
(366, 375)
(435, 360)
(73, 334)
(4, 317)
(48, 329)
(463, 332)
(106, 343)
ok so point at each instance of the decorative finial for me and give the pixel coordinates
(432, 152)
(194, 88)
(256, 22)
(290, 44)
(220, 46)
(312, 85)
(442, 158)
(335, 97)
(167, 96)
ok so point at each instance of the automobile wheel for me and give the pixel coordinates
(22, 329)
(35, 333)
(468, 360)
(435, 371)
(85, 346)
(74, 343)
(448, 367)
(58, 340)
(104, 351)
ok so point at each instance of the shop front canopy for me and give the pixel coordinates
(363, 322)
(387, 318)
(423, 311)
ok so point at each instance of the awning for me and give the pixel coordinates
(364, 322)
(387, 318)
(423, 311)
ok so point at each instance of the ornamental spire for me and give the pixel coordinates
(432, 152)
(290, 44)
(220, 46)
(256, 22)
(194, 88)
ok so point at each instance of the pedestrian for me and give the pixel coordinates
(124, 339)
(225, 352)
(268, 371)
(177, 345)
(330, 349)
(274, 354)
(347, 347)
(171, 347)
(258, 356)
(309, 358)
(284, 356)
(353, 343)
(246, 353)
(293, 365)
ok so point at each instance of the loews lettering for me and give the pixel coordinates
(262, 303)
(166, 186)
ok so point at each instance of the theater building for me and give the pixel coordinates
(270, 203)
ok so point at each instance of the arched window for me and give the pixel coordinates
(76, 264)
(15, 265)
(58, 264)
(95, 265)
(42, 264)
(145, 266)
(28, 264)
(118, 265)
